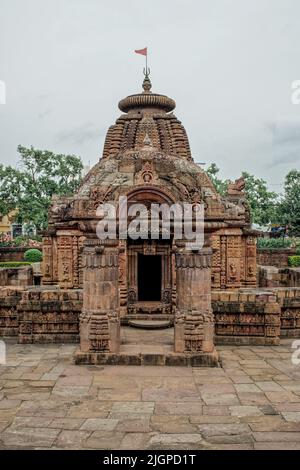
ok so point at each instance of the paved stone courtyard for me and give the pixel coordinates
(252, 402)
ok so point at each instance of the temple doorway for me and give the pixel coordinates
(149, 278)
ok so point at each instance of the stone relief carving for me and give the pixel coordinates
(147, 175)
(237, 187)
(131, 296)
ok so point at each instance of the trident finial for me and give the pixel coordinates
(147, 85)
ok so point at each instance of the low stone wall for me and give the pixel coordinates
(245, 317)
(289, 301)
(273, 257)
(270, 276)
(9, 316)
(9, 253)
(39, 315)
(248, 318)
(19, 276)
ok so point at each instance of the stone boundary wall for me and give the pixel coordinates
(9, 316)
(271, 276)
(37, 315)
(249, 316)
(246, 318)
(10, 253)
(273, 257)
(256, 316)
(18, 276)
(289, 301)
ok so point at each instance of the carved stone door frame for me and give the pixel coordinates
(149, 247)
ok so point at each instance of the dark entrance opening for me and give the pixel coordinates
(149, 278)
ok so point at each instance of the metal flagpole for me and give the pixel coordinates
(147, 62)
(145, 53)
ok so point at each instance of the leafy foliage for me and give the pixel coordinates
(24, 240)
(294, 261)
(220, 185)
(273, 243)
(288, 211)
(30, 187)
(33, 256)
(21, 240)
(262, 202)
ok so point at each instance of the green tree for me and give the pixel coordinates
(10, 188)
(220, 185)
(29, 188)
(262, 202)
(289, 207)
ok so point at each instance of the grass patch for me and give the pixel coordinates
(14, 264)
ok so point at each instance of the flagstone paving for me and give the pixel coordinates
(251, 402)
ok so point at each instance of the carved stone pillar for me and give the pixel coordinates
(194, 324)
(99, 320)
(47, 264)
(250, 261)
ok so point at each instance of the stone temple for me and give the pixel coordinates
(96, 290)
(147, 158)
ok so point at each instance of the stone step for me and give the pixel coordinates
(147, 317)
(150, 324)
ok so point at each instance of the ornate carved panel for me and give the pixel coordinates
(233, 273)
(47, 260)
(65, 260)
(250, 261)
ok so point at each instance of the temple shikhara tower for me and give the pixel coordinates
(147, 158)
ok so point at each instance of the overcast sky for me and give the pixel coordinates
(229, 64)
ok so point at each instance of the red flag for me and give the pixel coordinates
(141, 51)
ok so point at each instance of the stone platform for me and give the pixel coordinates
(147, 348)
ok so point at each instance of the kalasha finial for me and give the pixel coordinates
(147, 85)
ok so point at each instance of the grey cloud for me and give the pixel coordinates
(80, 135)
(228, 64)
(285, 134)
(43, 96)
(45, 113)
